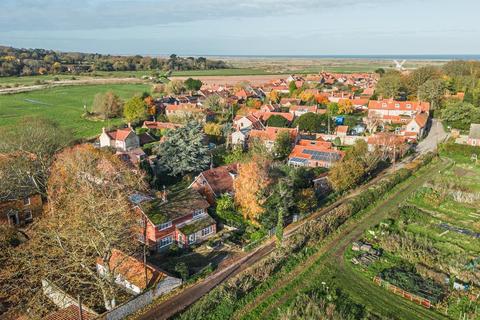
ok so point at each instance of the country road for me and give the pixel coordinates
(188, 296)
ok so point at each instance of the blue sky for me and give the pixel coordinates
(255, 27)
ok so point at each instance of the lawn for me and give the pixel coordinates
(64, 105)
(31, 80)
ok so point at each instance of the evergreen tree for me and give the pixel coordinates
(184, 151)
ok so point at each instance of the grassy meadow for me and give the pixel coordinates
(64, 105)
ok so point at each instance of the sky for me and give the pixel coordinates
(254, 27)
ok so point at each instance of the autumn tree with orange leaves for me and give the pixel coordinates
(253, 178)
(151, 107)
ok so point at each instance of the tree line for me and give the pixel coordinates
(28, 62)
(439, 87)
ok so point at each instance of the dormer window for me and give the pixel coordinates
(409, 106)
(197, 213)
(26, 201)
(397, 105)
(165, 225)
(384, 105)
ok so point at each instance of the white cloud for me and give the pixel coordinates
(93, 14)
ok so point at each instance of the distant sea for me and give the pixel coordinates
(429, 57)
(441, 57)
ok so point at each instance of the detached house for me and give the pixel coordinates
(121, 139)
(270, 134)
(247, 122)
(416, 127)
(135, 276)
(214, 182)
(314, 153)
(180, 218)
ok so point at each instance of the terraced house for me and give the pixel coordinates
(179, 218)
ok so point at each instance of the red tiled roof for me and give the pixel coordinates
(122, 134)
(399, 105)
(133, 270)
(271, 133)
(421, 119)
(160, 125)
(342, 129)
(290, 100)
(266, 115)
(220, 179)
(318, 143)
(303, 108)
(69, 313)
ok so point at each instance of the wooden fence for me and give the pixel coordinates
(400, 292)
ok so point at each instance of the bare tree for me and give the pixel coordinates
(89, 216)
(27, 151)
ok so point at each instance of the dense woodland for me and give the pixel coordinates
(28, 62)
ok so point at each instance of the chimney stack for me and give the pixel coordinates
(104, 130)
(130, 125)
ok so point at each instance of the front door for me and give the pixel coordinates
(192, 238)
(13, 218)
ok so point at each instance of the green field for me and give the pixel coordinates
(31, 80)
(64, 105)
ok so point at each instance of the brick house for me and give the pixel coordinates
(391, 109)
(214, 182)
(314, 153)
(21, 211)
(178, 218)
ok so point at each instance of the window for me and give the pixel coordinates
(409, 106)
(26, 201)
(13, 218)
(384, 105)
(165, 225)
(141, 238)
(165, 241)
(28, 215)
(397, 105)
(207, 231)
(192, 238)
(197, 213)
